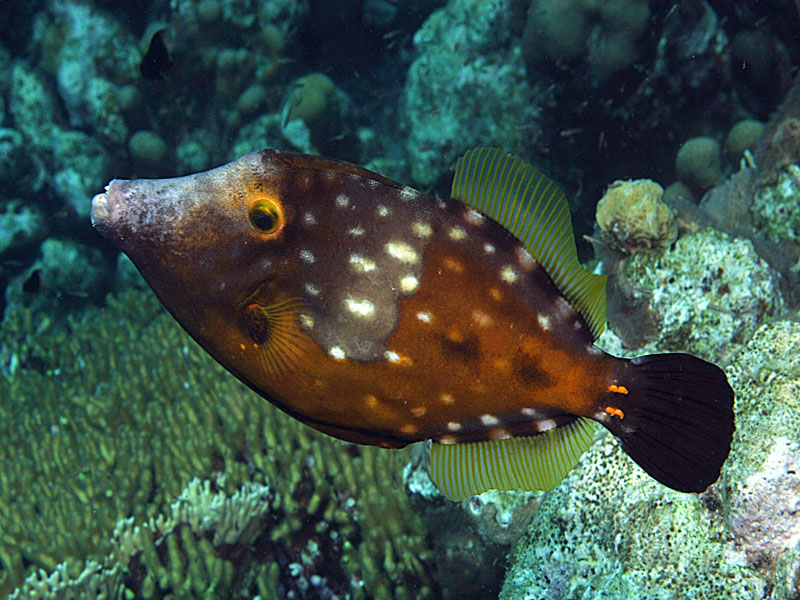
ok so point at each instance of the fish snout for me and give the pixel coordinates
(106, 209)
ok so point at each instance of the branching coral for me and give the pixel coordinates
(112, 418)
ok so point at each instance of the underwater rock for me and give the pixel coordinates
(147, 148)
(776, 207)
(744, 135)
(632, 539)
(65, 273)
(467, 87)
(710, 292)
(79, 165)
(97, 57)
(19, 170)
(20, 225)
(603, 34)
(762, 478)
(698, 163)
(633, 217)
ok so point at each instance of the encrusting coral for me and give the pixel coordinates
(105, 424)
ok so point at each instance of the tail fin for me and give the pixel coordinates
(678, 418)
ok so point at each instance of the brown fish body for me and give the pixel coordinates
(368, 310)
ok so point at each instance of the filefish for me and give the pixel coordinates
(380, 315)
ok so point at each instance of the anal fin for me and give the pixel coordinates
(537, 462)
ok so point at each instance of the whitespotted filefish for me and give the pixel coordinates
(383, 316)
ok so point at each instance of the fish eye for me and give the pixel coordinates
(266, 216)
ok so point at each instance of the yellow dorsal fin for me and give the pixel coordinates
(533, 208)
(537, 462)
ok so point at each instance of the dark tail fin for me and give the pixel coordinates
(678, 418)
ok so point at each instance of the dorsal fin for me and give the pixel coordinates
(533, 209)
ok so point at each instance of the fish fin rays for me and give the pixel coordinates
(276, 331)
(537, 462)
(534, 209)
(678, 419)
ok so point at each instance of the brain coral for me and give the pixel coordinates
(634, 217)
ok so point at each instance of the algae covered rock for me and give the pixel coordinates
(699, 163)
(709, 293)
(762, 474)
(467, 87)
(634, 217)
(608, 531)
(776, 206)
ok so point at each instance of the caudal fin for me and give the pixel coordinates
(673, 415)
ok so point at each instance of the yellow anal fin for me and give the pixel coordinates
(534, 210)
(537, 462)
(276, 332)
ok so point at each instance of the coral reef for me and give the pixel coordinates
(608, 531)
(603, 34)
(709, 293)
(467, 87)
(112, 418)
(762, 481)
(633, 216)
(698, 163)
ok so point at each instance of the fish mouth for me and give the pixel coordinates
(109, 208)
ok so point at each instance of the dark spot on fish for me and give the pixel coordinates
(256, 324)
(465, 350)
(527, 370)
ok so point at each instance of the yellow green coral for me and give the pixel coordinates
(113, 416)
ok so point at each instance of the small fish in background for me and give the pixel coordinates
(383, 316)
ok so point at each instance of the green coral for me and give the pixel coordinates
(107, 422)
(710, 292)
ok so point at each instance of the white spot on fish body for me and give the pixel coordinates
(362, 264)
(309, 219)
(489, 420)
(409, 283)
(356, 231)
(342, 201)
(312, 289)
(382, 211)
(307, 321)
(425, 317)
(544, 322)
(453, 426)
(488, 248)
(473, 217)
(447, 398)
(337, 353)
(525, 259)
(546, 425)
(391, 356)
(361, 308)
(401, 251)
(457, 234)
(407, 193)
(509, 274)
(592, 349)
(481, 318)
(307, 255)
(530, 412)
(421, 229)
